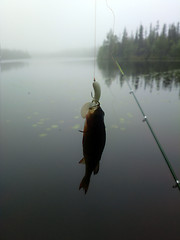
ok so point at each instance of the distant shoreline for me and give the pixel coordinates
(8, 54)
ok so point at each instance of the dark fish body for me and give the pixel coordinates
(94, 137)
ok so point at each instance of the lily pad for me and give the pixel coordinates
(42, 135)
(35, 113)
(77, 126)
(121, 120)
(114, 126)
(129, 115)
(40, 123)
(54, 126)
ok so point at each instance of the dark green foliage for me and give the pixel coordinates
(110, 46)
(13, 54)
(157, 44)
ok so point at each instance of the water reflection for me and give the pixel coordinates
(94, 138)
(9, 65)
(165, 80)
(165, 75)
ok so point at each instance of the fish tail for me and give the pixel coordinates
(84, 183)
(96, 170)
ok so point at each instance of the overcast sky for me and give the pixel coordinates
(52, 25)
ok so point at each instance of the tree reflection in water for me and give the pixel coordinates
(159, 74)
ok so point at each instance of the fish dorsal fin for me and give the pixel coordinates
(85, 109)
(82, 160)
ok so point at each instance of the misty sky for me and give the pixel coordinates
(52, 25)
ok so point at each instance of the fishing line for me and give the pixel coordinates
(112, 14)
(94, 39)
(145, 119)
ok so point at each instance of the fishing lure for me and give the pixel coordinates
(95, 102)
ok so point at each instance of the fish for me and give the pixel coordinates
(93, 142)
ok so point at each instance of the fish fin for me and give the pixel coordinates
(96, 170)
(81, 131)
(85, 109)
(84, 183)
(82, 161)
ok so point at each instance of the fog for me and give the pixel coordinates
(55, 25)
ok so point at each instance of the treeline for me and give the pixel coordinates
(7, 54)
(156, 44)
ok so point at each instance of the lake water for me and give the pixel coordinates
(131, 197)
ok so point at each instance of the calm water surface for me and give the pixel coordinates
(132, 195)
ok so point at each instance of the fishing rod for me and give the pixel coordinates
(145, 119)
